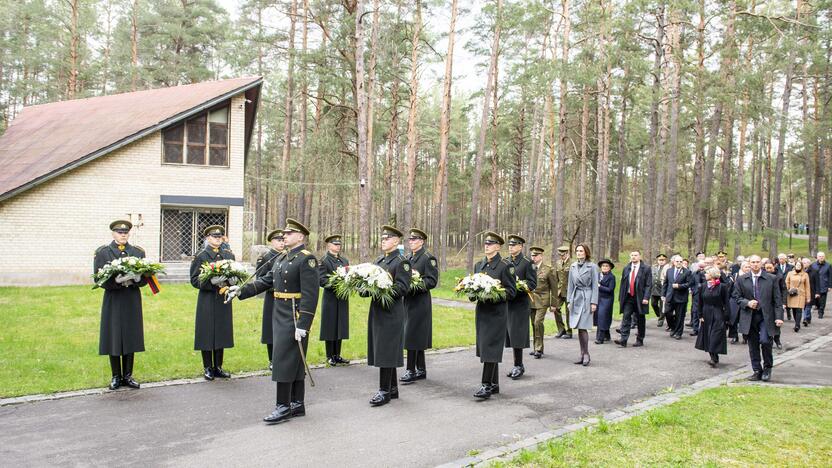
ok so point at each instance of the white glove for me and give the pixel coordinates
(232, 281)
(136, 277)
(300, 334)
(232, 292)
(121, 278)
(217, 280)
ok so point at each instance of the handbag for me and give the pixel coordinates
(793, 292)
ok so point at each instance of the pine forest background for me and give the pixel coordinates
(662, 125)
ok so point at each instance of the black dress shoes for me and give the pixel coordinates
(677, 336)
(130, 382)
(394, 393)
(599, 341)
(281, 413)
(421, 374)
(220, 373)
(713, 364)
(622, 343)
(209, 373)
(115, 383)
(495, 389)
(638, 343)
(538, 354)
(408, 377)
(618, 330)
(484, 392)
(755, 377)
(380, 398)
(693, 333)
(660, 323)
(340, 360)
(561, 334)
(298, 409)
(766, 376)
(567, 336)
(332, 362)
(734, 340)
(517, 372)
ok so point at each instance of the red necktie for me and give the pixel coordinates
(633, 282)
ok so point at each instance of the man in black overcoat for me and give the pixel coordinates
(263, 266)
(122, 331)
(634, 298)
(490, 318)
(418, 320)
(335, 312)
(294, 281)
(761, 313)
(519, 307)
(214, 322)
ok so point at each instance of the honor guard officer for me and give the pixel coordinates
(519, 307)
(214, 327)
(122, 331)
(490, 318)
(418, 322)
(335, 312)
(385, 325)
(294, 279)
(264, 265)
(547, 284)
(561, 267)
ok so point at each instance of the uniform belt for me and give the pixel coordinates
(286, 295)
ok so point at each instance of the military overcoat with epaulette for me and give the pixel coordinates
(214, 322)
(122, 329)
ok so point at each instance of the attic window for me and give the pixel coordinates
(199, 141)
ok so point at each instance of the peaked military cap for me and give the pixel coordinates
(213, 229)
(661, 255)
(722, 252)
(699, 253)
(293, 225)
(418, 233)
(276, 234)
(120, 224)
(608, 262)
(391, 231)
(515, 239)
(333, 239)
(563, 248)
(536, 250)
(491, 236)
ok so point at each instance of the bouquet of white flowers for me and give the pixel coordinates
(522, 286)
(365, 279)
(129, 269)
(223, 273)
(481, 287)
(337, 279)
(417, 283)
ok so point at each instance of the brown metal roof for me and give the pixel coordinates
(49, 139)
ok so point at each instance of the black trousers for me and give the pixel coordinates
(821, 303)
(756, 347)
(656, 304)
(679, 310)
(333, 348)
(490, 373)
(629, 309)
(212, 358)
(387, 379)
(798, 316)
(122, 365)
(290, 392)
(415, 359)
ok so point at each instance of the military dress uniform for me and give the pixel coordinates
(214, 322)
(561, 267)
(547, 284)
(519, 308)
(122, 331)
(418, 322)
(490, 319)
(294, 281)
(385, 325)
(262, 267)
(657, 291)
(335, 312)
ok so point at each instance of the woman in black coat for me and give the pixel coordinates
(714, 305)
(606, 298)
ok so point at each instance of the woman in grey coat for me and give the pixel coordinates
(582, 297)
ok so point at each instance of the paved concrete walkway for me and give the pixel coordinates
(435, 421)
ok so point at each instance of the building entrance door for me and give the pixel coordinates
(181, 236)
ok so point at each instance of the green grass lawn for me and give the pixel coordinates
(49, 339)
(726, 426)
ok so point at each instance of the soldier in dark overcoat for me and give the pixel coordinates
(122, 330)
(335, 312)
(294, 281)
(214, 322)
(418, 321)
(490, 318)
(385, 325)
(519, 307)
(264, 265)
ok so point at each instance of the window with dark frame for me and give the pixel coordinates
(199, 141)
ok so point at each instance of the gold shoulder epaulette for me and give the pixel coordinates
(306, 252)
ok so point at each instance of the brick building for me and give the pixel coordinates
(171, 160)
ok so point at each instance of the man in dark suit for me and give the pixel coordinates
(823, 282)
(676, 288)
(634, 298)
(761, 312)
